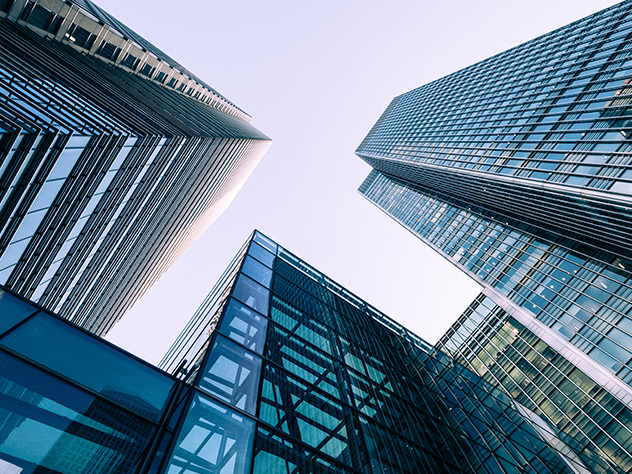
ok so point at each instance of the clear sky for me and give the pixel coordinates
(316, 75)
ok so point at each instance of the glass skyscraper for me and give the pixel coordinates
(113, 159)
(518, 171)
(310, 378)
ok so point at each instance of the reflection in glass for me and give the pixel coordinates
(57, 345)
(252, 294)
(44, 419)
(261, 254)
(232, 375)
(13, 310)
(244, 325)
(265, 242)
(257, 271)
(214, 439)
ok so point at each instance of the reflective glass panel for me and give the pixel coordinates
(257, 271)
(92, 363)
(213, 439)
(46, 195)
(244, 325)
(252, 294)
(265, 242)
(261, 254)
(65, 162)
(13, 310)
(232, 375)
(50, 426)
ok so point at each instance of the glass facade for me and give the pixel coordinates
(107, 174)
(490, 342)
(516, 169)
(287, 372)
(292, 373)
(71, 402)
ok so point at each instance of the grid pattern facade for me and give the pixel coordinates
(503, 352)
(285, 371)
(579, 292)
(106, 175)
(517, 170)
(526, 130)
(315, 380)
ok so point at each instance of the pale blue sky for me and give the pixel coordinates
(315, 76)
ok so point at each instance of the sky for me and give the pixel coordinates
(316, 75)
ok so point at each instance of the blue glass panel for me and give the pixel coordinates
(29, 225)
(265, 242)
(261, 254)
(232, 375)
(257, 271)
(251, 293)
(46, 195)
(92, 363)
(5, 273)
(13, 253)
(65, 162)
(78, 141)
(244, 325)
(50, 426)
(13, 310)
(213, 440)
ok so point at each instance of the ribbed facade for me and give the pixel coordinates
(113, 159)
(518, 171)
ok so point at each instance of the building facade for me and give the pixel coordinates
(72, 402)
(507, 354)
(517, 170)
(313, 379)
(113, 159)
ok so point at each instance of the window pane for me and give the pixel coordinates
(65, 163)
(214, 439)
(92, 363)
(261, 254)
(244, 325)
(13, 310)
(257, 271)
(232, 375)
(265, 242)
(252, 294)
(44, 419)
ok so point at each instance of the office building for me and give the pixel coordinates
(72, 402)
(313, 379)
(113, 159)
(517, 170)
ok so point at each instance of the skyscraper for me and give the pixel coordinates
(113, 159)
(518, 171)
(280, 370)
(313, 379)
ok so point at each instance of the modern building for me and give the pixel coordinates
(113, 159)
(314, 379)
(547, 380)
(281, 370)
(518, 171)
